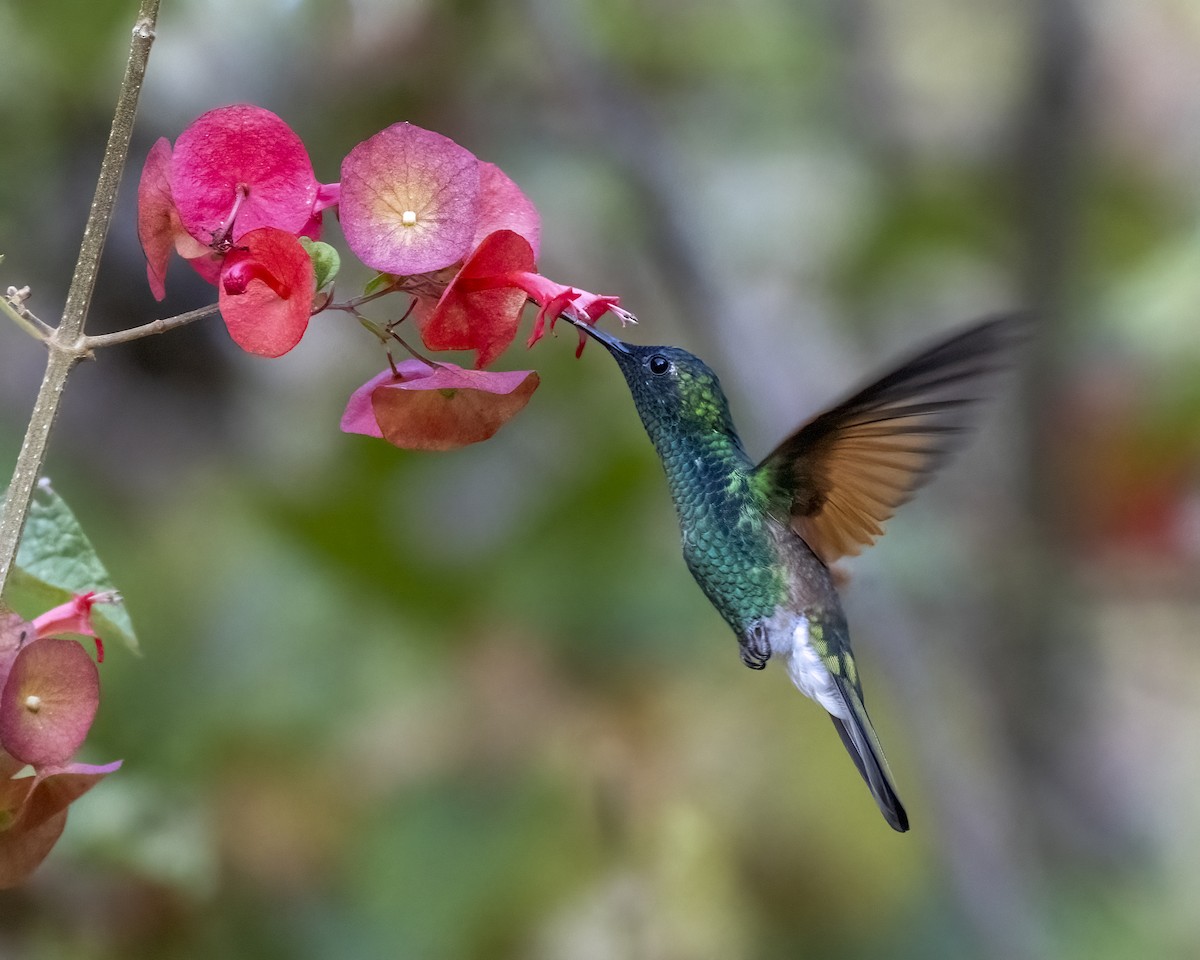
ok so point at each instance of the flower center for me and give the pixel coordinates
(409, 218)
(33, 703)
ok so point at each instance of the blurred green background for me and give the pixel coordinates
(471, 705)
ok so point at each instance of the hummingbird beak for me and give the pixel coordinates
(611, 343)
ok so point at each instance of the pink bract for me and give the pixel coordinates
(503, 206)
(266, 292)
(238, 168)
(474, 314)
(359, 416)
(409, 200)
(48, 702)
(35, 809)
(14, 633)
(158, 220)
(438, 408)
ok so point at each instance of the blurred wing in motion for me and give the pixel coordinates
(843, 474)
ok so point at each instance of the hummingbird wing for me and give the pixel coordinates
(844, 473)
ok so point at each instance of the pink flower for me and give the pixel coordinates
(414, 202)
(232, 198)
(238, 168)
(410, 200)
(49, 693)
(437, 408)
(74, 616)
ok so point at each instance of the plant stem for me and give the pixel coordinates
(65, 344)
(146, 329)
(11, 306)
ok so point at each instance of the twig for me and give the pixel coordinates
(11, 304)
(64, 342)
(88, 344)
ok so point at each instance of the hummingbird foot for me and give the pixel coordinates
(755, 647)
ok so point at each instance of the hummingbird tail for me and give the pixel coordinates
(860, 741)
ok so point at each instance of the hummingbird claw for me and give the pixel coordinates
(755, 647)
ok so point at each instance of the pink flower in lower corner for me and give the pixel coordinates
(49, 693)
(437, 408)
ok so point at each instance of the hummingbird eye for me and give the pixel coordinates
(659, 364)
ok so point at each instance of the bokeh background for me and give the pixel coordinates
(471, 705)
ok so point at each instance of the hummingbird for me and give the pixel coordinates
(759, 538)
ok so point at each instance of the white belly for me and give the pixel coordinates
(812, 678)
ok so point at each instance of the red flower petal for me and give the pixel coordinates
(158, 220)
(473, 314)
(246, 159)
(503, 206)
(447, 407)
(554, 299)
(266, 292)
(48, 702)
(409, 200)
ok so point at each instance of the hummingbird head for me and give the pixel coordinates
(670, 386)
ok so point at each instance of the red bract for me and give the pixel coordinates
(239, 168)
(480, 307)
(483, 318)
(555, 300)
(266, 292)
(437, 408)
(409, 200)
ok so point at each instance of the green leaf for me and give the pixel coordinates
(378, 282)
(55, 561)
(325, 259)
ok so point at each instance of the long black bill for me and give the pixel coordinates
(610, 342)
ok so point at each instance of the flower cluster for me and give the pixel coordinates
(49, 693)
(237, 198)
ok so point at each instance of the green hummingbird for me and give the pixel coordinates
(759, 538)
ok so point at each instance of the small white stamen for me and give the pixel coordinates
(409, 218)
(33, 703)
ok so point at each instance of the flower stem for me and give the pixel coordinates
(66, 343)
(400, 340)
